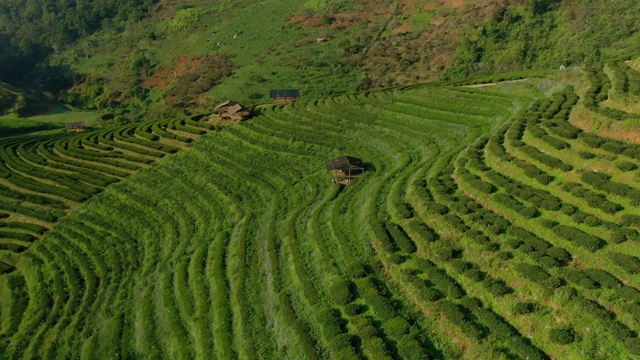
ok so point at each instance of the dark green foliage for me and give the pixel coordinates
(626, 166)
(401, 238)
(396, 327)
(562, 336)
(548, 160)
(440, 279)
(460, 317)
(497, 287)
(331, 322)
(586, 155)
(375, 298)
(620, 235)
(409, 348)
(532, 272)
(633, 345)
(580, 238)
(603, 278)
(630, 220)
(356, 270)
(423, 232)
(523, 308)
(579, 278)
(627, 262)
(341, 291)
(354, 309)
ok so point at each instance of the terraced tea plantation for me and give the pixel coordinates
(486, 226)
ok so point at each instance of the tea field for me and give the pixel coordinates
(487, 225)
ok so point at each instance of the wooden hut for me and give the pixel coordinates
(282, 97)
(231, 110)
(75, 126)
(345, 169)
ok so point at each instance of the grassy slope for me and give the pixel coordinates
(284, 203)
(246, 219)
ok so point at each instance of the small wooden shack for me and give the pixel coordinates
(231, 110)
(75, 126)
(345, 169)
(282, 97)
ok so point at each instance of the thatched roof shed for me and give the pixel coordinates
(345, 169)
(282, 97)
(75, 126)
(231, 110)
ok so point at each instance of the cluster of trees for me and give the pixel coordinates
(570, 33)
(31, 30)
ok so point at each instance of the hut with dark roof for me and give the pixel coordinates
(75, 126)
(231, 110)
(345, 169)
(283, 97)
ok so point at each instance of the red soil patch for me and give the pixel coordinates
(581, 119)
(452, 3)
(402, 29)
(168, 74)
(622, 134)
(330, 21)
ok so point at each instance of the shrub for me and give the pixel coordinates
(580, 238)
(446, 253)
(562, 336)
(532, 272)
(630, 220)
(401, 238)
(561, 255)
(341, 291)
(397, 258)
(354, 309)
(627, 262)
(579, 278)
(396, 327)
(603, 278)
(592, 221)
(331, 322)
(496, 286)
(523, 308)
(356, 270)
(626, 166)
(633, 345)
(586, 155)
(410, 349)
(365, 328)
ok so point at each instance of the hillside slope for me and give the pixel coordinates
(487, 225)
(177, 56)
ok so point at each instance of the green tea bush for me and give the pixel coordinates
(401, 238)
(532, 272)
(579, 278)
(603, 278)
(579, 237)
(626, 166)
(627, 262)
(341, 291)
(562, 336)
(523, 308)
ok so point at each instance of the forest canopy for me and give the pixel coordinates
(30, 30)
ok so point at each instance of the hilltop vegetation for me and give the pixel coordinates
(135, 60)
(495, 220)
